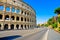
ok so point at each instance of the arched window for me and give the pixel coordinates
(17, 18)
(0, 16)
(28, 19)
(25, 19)
(7, 17)
(22, 26)
(13, 9)
(12, 26)
(22, 12)
(7, 9)
(28, 13)
(1, 7)
(6, 27)
(13, 17)
(0, 25)
(21, 18)
(17, 11)
(17, 26)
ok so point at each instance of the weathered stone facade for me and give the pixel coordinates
(16, 15)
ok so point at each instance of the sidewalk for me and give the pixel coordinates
(19, 32)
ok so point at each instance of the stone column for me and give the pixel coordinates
(2, 26)
(3, 18)
(24, 13)
(29, 26)
(10, 8)
(26, 26)
(15, 27)
(19, 26)
(9, 26)
(4, 8)
(23, 27)
(23, 19)
(15, 18)
(20, 18)
(20, 11)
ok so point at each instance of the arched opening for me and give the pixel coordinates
(7, 17)
(25, 27)
(1, 7)
(28, 26)
(12, 26)
(0, 16)
(22, 26)
(0, 26)
(25, 13)
(13, 9)
(28, 13)
(13, 17)
(21, 18)
(28, 19)
(6, 27)
(17, 18)
(17, 11)
(21, 12)
(8, 9)
(25, 19)
(17, 26)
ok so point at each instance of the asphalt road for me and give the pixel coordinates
(37, 36)
(45, 34)
(52, 35)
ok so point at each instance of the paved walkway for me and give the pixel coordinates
(18, 32)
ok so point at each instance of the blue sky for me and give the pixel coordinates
(44, 9)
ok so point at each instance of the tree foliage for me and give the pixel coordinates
(57, 10)
(59, 19)
(54, 25)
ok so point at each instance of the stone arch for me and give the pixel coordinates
(1, 16)
(6, 27)
(17, 26)
(12, 26)
(7, 8)
(17, 18)
(0, 26)
(28, 19)
(22, 26)
(6, 17)
(25, 27)
(1, 7)
(12, 17)
(25, 19)
(28, 26)
(21, 18)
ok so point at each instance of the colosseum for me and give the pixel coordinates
(16, 14)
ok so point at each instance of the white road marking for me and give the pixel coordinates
(45, 37)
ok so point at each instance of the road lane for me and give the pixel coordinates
(36, 36)
(53, 35)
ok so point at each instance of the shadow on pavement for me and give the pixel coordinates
(10, 37)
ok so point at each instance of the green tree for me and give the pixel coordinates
(57, 10)
(54, 25)
(38, 25)
(50, 21)
(59, 19)
(46, 25)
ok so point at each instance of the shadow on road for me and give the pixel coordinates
(10, 37)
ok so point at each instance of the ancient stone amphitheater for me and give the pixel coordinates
(16, 14)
